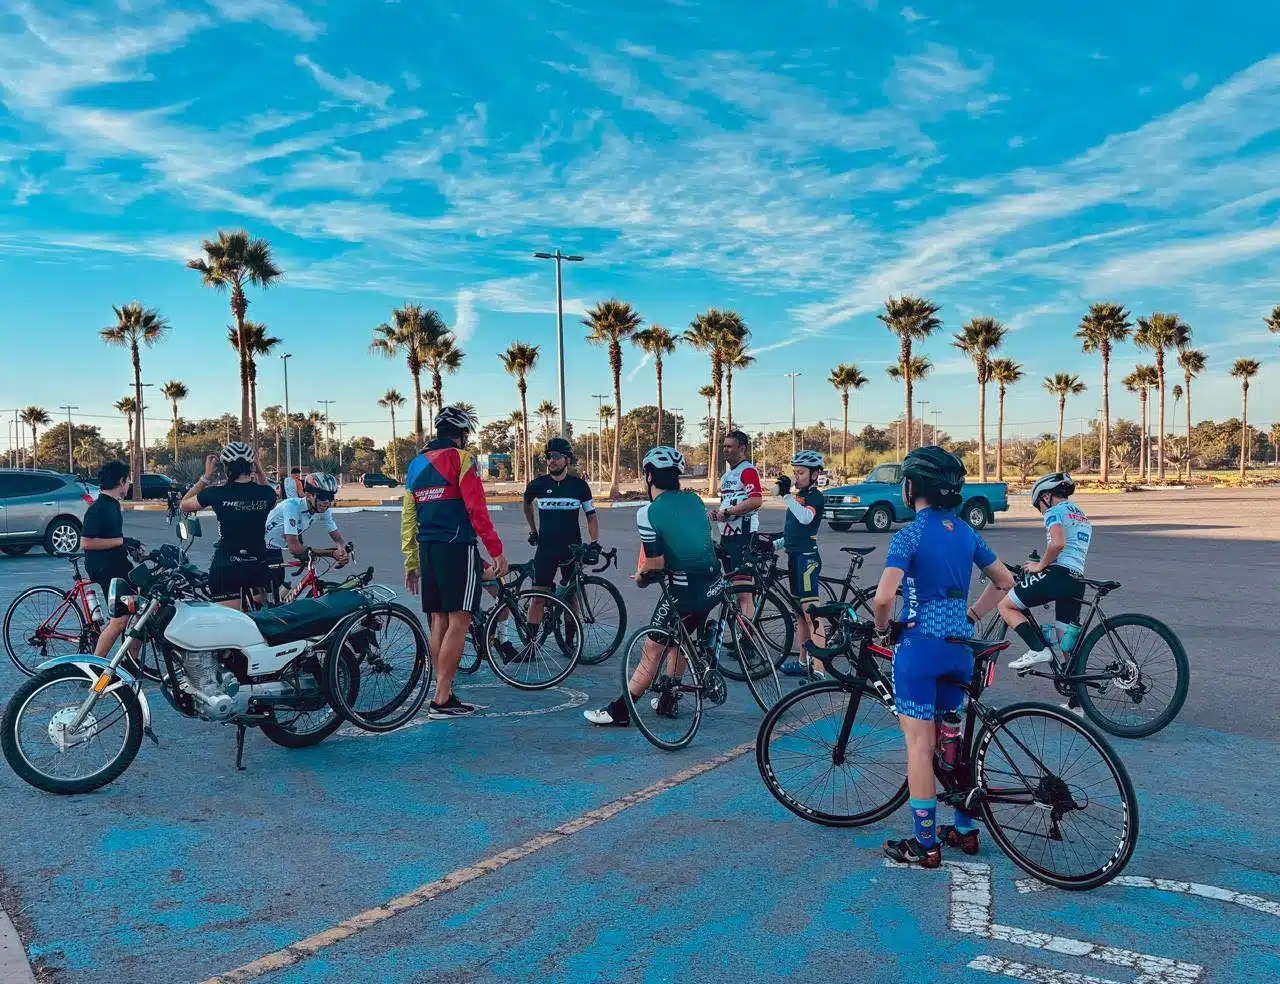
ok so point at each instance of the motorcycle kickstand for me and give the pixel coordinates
(240, 729)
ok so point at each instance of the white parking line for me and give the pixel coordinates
(1270, 907)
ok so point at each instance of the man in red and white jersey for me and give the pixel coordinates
(741, 494)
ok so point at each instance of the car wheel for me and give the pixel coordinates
(975, 514)
(841, 527)
(16, 551)
(62, 537)
(879, 519)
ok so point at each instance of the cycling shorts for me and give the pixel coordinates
(735, 551)
(1053, 584)
(229, 574)
(804, 569)
(693, 602)
(920, 664)
(450, 577)
(547, 559)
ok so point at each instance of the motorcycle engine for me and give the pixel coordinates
(213, 688)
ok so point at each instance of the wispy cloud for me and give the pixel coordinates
(910, 15)
(279, 14)
(350, 87)
(1189, 81)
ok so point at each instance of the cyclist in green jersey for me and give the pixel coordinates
(675, 537)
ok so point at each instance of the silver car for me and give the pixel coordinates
(41, 507)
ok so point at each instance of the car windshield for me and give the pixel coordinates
(885, 474)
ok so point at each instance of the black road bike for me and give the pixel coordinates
(1052, 792)
(1129, 673)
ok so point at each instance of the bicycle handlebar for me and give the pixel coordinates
(607, 557)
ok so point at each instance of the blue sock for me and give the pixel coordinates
(964, 823)
(924, 813)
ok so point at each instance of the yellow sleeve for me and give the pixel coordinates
(409, 531)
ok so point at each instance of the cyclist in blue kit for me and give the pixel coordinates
(932, 560)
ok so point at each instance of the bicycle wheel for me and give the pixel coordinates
(813, 775)
(603, 614)
(776, 624)
(1147, 675)
(43, 622)
(669, 709)
(378, 671)
(545, 652)
(1055, 796)
(747, 646)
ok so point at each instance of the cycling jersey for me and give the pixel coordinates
(937, 554)
(291, 517)
(243, 509)
(674, 527)
(737, 485)
(558, 503)
(444, 502)
(804, 517)
(1077, 531)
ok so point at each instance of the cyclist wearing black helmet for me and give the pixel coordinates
(932, 560)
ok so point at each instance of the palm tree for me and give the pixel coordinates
(34, 417)
(135, 326)
(912, 319)
(658, 342)
(1140, 382)
(87, 454)
(844, 377)
(1106, 324)
(1159, 333)
(606, 417)
(391, 400)
(1273, 320)
(429, 401)
(413, 331)
(611, 322)
(314, 420)
(128, 406)
(519, 360)
(713, 332)
(253, 339)
(230, 262)
(707, 393)
(735, 357)
(978, 339)
(1192, 362)
(1005, 372)
(1244, 370)
(917, 368)
(1275, 443)
(546, 410)
(273, 418)
(175, 391)
(1177, 396)
(1062, 385)
(441, 355)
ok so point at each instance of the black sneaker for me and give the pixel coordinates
(914, 853)
(452, 708)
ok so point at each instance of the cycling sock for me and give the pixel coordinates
(964, 823)
(924, 812)
(1030, 633)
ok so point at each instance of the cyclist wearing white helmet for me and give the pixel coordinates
(800, 540)
(1055, 577)
(675, 536)
(444, 514)
(242, 506)
(293, 517)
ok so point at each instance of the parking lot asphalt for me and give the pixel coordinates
(524, 846)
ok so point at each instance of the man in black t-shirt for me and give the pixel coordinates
(104, 543)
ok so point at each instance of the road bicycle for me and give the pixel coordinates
(684, 672)
(1129, 673)
(1053, 793)
(772, 605)
(598, 603)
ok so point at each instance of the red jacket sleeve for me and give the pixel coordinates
(751, 483)
(473, 497)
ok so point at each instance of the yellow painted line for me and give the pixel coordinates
(295, 953)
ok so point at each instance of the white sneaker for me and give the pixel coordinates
(1029, 659)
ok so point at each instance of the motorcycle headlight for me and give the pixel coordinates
(117, 597)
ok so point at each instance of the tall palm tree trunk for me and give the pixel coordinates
(658, 371)
(615, 357)
(395, 462)
(524, 431)
(844, 438)
(1187, 450)
(713, 454)
(1144, 460)
(175, 435)
(1000, 437)
(710, 438)
(417, 408)
(253, 403)
(1104, 439)
(1160, 383)
(906, 385)
(728, 393)
(1244, 430)
(982, 432)
(1062, 409)
(138, 460)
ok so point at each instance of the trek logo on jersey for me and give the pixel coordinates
(570, 504)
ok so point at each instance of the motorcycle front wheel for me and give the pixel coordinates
(44, 754)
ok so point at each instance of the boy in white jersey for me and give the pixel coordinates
(1055, 577)
(741, 494)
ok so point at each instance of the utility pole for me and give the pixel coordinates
(922, 404)
(18, 445)
(599, 398)
(339, 447)
(288, 423)
(559, 258)
(325, 430)
(936, 415)
(69, 407)
(792, 376)
(679, 424)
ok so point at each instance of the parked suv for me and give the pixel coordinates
(155, 486)
(41, 507)
(371, 479)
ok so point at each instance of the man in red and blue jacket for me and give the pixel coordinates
(444, 513)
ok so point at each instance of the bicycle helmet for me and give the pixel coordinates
(456, 418)
(662, 458)
(558, 445)
(808, 459)
(318, 483)
(236, 451)
(1058, 482)
(934, 473)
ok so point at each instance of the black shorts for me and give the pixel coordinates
(231, 574)
(450, 577)
(103, 576)
(1055, 583)
(694, 601)
(804, 569)
(546, 559)
(735, 554)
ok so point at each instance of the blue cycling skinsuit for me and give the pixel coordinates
(937, 554)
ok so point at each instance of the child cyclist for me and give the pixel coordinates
(933, 560)
(1056, 576)
(800, 540)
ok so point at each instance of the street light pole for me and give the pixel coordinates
(559, 258)
(327, 448)
(922, 404)
(679, 424)
(69, 407)
(936, 415)
(792, 376)
(288, 426)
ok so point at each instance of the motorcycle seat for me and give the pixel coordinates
(307, 617)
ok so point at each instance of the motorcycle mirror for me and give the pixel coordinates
(188, 527)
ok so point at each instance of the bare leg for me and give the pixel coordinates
(452, 635)
(920, 739)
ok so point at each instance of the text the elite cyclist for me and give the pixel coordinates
(1056, 576)
(741, 495)
(104, 544)
(800, 541)
(293, 517)
(932, 560)
(242, 506)
(443, 515)
(675, 538)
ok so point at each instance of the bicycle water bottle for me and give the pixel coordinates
(97, 604)
(1069, 636)
(712, 631)
(1050, 633)
(949, 729)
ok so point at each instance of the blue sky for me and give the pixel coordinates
(798, 163)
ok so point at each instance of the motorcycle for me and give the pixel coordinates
(295, 672)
